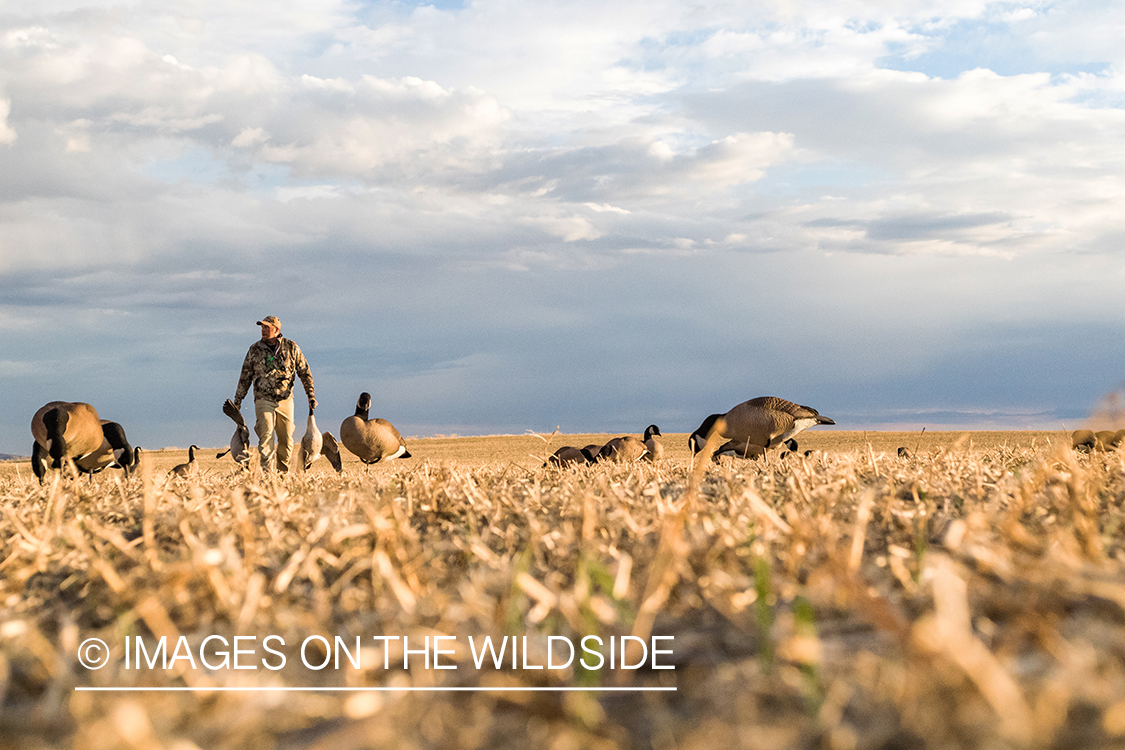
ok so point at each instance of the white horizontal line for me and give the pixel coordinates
(374, 689)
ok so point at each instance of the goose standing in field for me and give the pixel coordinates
(652, 445)
(372, 440)
(182, 470)
(624, 449)
(66, 431)
(239, 448)
(766, 422)
(311, 444)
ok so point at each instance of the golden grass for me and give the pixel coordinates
(972, 596)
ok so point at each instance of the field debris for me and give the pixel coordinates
(963, 597)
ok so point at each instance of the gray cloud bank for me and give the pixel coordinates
(494, 224)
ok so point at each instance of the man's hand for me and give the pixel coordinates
(237, 403)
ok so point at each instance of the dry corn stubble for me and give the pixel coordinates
(965, 597)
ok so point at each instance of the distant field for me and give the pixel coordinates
(530, 451)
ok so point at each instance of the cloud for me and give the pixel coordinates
(504, 216)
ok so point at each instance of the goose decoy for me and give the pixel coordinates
(1083, 440)
(107, 456)
(652, 445)
(624, 449)
(766, 421)
(568, 455)
(311, 444)
(699, 437)
(239, 448)
(372, 440)
(66, 431)
(331, 451)
(904, 452)
(1107, 440)
(182, 470)
(738, 449)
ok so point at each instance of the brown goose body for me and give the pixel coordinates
(624, 449)
(72, 431)
(767, 421)
(372, 440)
(569, 455)
(311, 444)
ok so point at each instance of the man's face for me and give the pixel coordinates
(269, 332)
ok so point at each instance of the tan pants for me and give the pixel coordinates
(274, 416)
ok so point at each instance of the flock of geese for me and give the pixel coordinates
(72, 432)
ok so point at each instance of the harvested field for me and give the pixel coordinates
(970, 596)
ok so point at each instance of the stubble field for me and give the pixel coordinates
(972, 595)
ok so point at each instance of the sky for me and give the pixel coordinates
(500, 216)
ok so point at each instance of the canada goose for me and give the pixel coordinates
(567, 455)
(373, 440)
(1083, 440)
(72, 431)
(239, 448)
(593, 449)
(311, 444)
(624, 449)
(652, 445)
(738, 449)
(182, 470)
(766, 421)
(1107, 440)
(331, 451)
(699, 437)
(904, 452)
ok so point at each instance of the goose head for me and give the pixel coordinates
(363, 405)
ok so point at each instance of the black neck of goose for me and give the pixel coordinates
(363, 406)
(55, 422)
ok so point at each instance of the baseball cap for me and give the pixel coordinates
(269, 320)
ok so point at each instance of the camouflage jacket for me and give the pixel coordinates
(273, 370)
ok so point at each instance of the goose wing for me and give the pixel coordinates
(232, 411)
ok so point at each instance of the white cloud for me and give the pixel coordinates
(656, 163)
(7, 134)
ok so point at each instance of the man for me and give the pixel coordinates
(271, 365)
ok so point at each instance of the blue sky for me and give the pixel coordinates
(507, 216)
